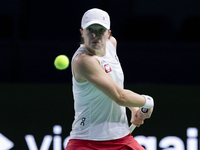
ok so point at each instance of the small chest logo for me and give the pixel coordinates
(107, 68)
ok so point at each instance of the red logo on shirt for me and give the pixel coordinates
(107, 68)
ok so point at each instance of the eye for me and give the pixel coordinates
(102, 30)
(90, 29)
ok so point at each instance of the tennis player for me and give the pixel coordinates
(100, 99)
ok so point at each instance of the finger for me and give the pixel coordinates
(142, 122)
(138, 125)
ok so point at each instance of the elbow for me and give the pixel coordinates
(121, 103)
(120, 100)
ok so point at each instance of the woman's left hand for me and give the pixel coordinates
(135, 118)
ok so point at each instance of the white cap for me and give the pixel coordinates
(95, 16)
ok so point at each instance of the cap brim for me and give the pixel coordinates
(95, 22)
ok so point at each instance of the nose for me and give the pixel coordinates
(96, 34)
(93, 34)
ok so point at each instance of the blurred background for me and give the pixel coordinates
(158, 47)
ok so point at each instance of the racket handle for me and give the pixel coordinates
(144, 110)
(132, 127)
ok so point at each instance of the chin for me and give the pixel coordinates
(95, 47)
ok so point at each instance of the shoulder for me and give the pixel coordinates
(83, 59)
(83, 65)
(113, 41)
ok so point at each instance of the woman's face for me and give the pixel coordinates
(95, 37)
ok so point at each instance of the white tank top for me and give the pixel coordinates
(97, 117)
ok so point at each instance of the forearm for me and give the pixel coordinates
(131, 99)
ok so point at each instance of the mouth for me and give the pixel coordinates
(95, 42)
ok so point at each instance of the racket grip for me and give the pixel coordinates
(132, 127)
(144, 110)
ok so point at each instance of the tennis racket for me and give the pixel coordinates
(132, 127)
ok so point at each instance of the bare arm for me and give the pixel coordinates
(87, 68)
(136, 117)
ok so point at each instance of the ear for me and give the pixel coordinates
(81, 31)
(109, 34)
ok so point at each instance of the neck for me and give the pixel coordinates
(98, 52)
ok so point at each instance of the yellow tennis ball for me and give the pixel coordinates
(61, 62)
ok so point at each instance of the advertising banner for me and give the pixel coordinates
(39, 117)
